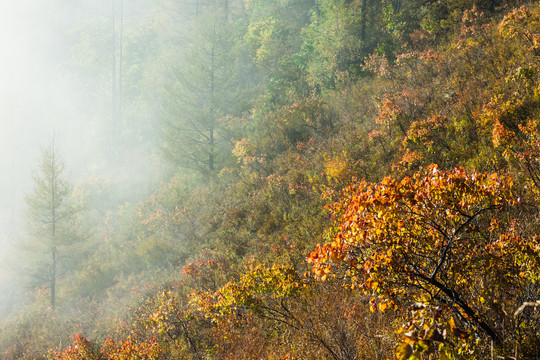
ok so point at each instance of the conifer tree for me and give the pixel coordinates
(52, 219)
(203, 91)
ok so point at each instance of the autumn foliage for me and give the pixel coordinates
(431, 240)
(380, 200)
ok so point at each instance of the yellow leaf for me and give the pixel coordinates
(404, 351)
(452, 324)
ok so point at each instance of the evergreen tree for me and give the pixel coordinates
(52, 219)
(202, 92)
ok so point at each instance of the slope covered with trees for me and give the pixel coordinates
(348, 180)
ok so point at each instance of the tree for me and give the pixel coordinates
(435, 239)
(51, 219)
(340, 35)
(274, 42)
(203, 92)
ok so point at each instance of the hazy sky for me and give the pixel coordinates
(23, 65)
(41, 93)
(36, 98)
(55, 78)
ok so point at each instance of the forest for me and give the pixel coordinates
(286, 179)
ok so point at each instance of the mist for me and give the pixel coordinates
(56, 82)
(269, 178)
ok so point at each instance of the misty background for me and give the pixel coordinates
(56, 79)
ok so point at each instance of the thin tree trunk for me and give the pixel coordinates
(120, 48)
(53, 228)
(363, 21)
(114, 99)
(211, 156)
(212, 121)
(53, 279)
(396, 6)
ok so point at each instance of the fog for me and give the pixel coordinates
(54, 84)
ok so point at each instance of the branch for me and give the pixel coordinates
(448, 246)
(456, 298)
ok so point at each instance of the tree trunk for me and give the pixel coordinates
(120, 56)
(211, 134)
(53, 278)
(396, 6)
(114, 119)
(211, 155)
(53, 229)
(363, 21)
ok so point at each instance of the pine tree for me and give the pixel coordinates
(203, 91)
(52, 219)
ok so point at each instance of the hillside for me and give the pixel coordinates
(351, 179)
